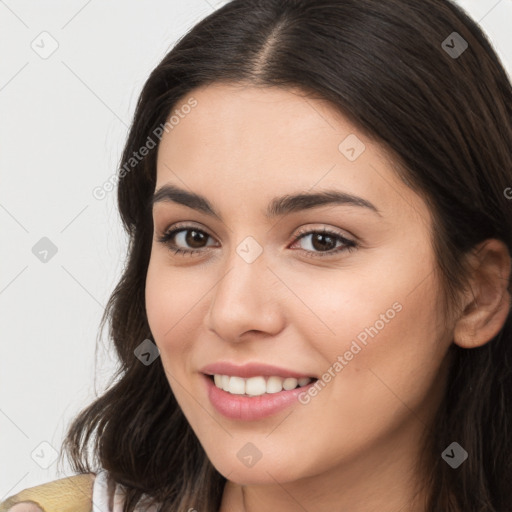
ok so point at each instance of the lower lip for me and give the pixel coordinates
(245, 408)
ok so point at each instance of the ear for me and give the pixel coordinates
(487, 303)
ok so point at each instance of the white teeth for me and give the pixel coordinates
(256, 386)
(274, 385)
(290, 383)
(236, 385)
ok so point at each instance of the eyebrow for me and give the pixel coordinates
(278, 207)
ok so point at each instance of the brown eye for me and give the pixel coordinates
(321, 242)
(325, 243)
(185, 240)
(195, 238)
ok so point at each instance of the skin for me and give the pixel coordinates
(354, 446)
(25, 507)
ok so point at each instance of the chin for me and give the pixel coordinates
(263, 472)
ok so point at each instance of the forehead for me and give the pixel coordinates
(246, 118)
(275, 141)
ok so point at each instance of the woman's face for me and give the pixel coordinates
(356, 308)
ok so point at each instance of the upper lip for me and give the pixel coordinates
(250, 370)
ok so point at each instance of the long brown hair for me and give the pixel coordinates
(390, 68)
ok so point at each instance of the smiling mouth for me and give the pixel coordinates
(259, 385)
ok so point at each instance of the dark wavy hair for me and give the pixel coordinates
(446, 119)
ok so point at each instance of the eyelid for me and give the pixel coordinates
(323, 228)
(184, 225)
(298, 231)
(347, 243)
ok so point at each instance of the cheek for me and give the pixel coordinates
(175, 305)
(391, 380)
(382, 324)
(395, 365)
(166, 305)
(389, 309)
(157, 300)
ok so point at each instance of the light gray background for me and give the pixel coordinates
(64, 119)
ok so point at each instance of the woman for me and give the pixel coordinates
(315, 312)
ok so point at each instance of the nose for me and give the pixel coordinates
(246, 300)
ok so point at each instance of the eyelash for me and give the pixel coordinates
(349, 245)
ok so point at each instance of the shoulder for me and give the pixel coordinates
(72, 494)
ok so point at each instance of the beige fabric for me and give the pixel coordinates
(73, 494)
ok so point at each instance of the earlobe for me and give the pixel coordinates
(488, 302)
